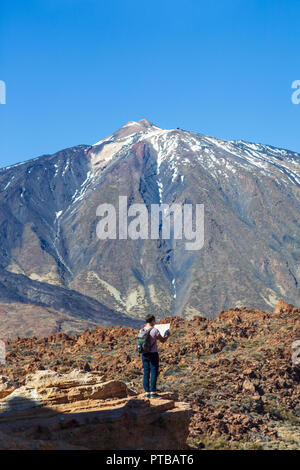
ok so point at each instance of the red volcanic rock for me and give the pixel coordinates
(7, 386)
(283, 307)
(296, 326)
(250, 373)
(236, 371)
(249, 386)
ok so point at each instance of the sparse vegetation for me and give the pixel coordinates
(236, 373)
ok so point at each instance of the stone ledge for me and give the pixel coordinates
(77, 410)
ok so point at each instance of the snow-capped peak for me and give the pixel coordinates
(178, 148)
(130, 128)
(131, 132)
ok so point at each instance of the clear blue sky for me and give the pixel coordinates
(76, 70)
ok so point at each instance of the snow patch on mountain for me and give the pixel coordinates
(80, 193)
(176, 148)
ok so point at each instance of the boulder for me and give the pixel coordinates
(7, 386)
(80, 410)
(283, 307)
(249, 386)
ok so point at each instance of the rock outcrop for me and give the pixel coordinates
(6, 386)
(82, 411)
(283, 307)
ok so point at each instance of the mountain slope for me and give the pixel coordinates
(251, 196)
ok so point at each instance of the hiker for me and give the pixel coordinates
(147, 345)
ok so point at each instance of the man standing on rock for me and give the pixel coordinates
(150, 355)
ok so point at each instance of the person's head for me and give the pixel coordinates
(150, 319)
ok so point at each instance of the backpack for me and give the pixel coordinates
(144, 341)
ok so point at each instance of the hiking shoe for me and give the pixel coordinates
(154, 395)
(147, 394)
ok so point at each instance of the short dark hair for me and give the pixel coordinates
(149, 318)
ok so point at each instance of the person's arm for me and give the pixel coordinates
(163, 339)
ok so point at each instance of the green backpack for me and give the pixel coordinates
(144, 341)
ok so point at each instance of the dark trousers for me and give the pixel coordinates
(151, 366)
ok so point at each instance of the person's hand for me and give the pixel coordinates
(167, 334)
